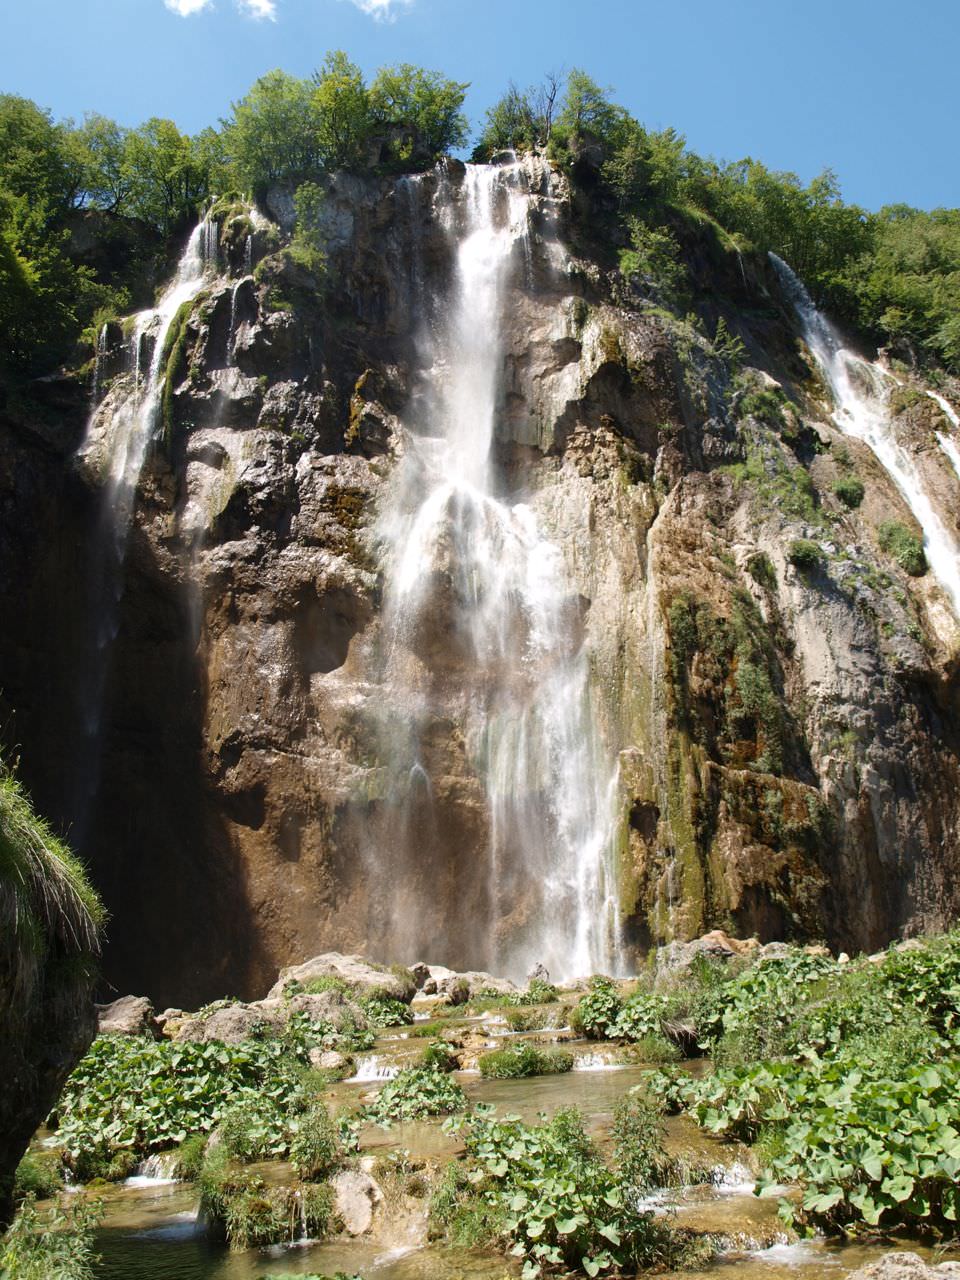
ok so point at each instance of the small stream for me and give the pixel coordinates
(151, 1231)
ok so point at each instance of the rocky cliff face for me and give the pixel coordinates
(787, 756)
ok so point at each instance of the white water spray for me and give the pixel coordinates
(119, 434)
(459, 555)
(862, 393)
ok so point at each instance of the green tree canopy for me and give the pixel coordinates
(424, 107)
(274, 132)
(344, 118)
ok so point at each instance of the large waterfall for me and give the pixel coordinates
(862, 392)
(482, 628)
(119, 433)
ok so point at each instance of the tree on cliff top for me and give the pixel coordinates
(51, 922)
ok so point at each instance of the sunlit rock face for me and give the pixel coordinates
(458, 617)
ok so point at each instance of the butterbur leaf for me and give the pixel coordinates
(610, 1232)
(900, 1188)
(591, 1266)
(566, 1226)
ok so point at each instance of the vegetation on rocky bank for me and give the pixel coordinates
(839, 1075)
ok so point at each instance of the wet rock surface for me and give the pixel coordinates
(243, 815)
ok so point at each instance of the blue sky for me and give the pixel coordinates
(865, 87)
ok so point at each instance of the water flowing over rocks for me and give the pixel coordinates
(567, 703)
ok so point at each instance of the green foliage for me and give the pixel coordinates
(274, 130)
(249, 1131)
(414, 1093)
(343, 114)
(438, 1056)
(250, 1214)
(537, 992)
(805, 555)
(597, 1012)
(140, 1096)
(522, 1059)
(50, 916)
(36, 1177)
(653, 260)
(903, 546)
(384, 1011)
(764, 404)
(190, 1157)
(848, 1077)
(641, 1015)
(519, 121)
(850, 490)
(315, 1150)
(639, 1155)
(728, 346)
(54, 1244)
(544, 1188)
(420, 112)
(761, 570)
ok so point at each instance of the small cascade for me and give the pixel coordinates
(947, 443)
(98, 361)
(248, 255)
(155, 1171)
(371, 1068)
(861, 392)
(462, 558)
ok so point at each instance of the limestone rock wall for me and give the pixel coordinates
(786, 741)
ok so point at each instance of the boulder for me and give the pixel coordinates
(459, 987)
(329, 1060)
(677, 957)
(359, 975)
(356, 1197)
(128, 1016)
(905, 1266)
(231, 1024)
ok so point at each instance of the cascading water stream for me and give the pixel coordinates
(121, 443)
(862, 392)
(457, 552)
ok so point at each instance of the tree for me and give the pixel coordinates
(100, 147)
(587, 114)
(342, 106)
(424, 108)
(274, 132)
(170, 177)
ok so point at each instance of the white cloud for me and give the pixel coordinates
(381, 10)
(186, 7)
(259, 9)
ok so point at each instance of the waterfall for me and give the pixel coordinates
(479, 617)
(118, 438)
(861, 392)
(946, 442)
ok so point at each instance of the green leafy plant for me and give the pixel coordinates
(52, 1244)
(36, 1177)
(384, 1011)
(416, 1092)
(597, 1011)
(523, 1060)
(537, 992)
(315, 1150)
(545, 1189)
(903, 546)
(805, 555)
(850, 490)
(132, 1097)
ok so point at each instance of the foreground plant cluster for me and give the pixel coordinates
(842, 1075)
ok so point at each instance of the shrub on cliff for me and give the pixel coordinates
(904, 547)
(50, 922)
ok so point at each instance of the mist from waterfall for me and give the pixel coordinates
(861, 392)
(479, 617)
